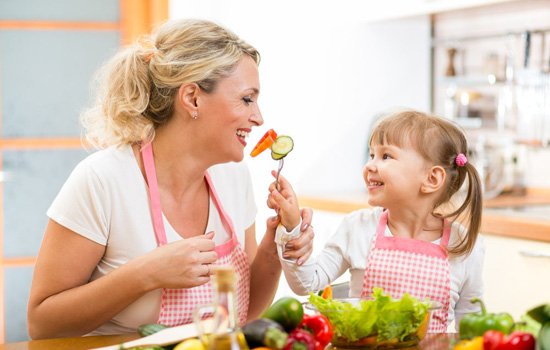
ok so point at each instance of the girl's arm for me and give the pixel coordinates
(316, 273)
(472, 285)
(64, 303)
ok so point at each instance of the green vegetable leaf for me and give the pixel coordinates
(382, 316)
(400, 318)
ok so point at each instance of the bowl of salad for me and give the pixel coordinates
(378, 322)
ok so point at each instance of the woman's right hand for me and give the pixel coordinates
(182, 264)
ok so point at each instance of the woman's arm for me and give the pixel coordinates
(64, 303)
(265, 269)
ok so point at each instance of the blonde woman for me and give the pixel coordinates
(135, 229)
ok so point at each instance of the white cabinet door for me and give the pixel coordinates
(515, 281)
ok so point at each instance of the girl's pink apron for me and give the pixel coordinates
(177, 305)
(403, 265)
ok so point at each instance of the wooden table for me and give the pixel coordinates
(80, 343)
(431, 342)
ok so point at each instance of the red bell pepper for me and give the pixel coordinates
(320, 327)
(265, 142)
(300, 339)
(495, 340)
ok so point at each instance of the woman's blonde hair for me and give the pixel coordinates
(439, 141)
(137, 87)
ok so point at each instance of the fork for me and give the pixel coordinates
(281, 163)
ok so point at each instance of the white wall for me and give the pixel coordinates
(325, 72)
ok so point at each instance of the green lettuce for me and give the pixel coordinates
(382, 316)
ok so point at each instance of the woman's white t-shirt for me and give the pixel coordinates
(105, 199)
(349, 248)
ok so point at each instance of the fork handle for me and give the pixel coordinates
(281, 164)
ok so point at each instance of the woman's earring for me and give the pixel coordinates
(195, 115)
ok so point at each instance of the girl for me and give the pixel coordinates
(413, 239)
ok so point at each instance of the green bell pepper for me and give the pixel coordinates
(476, 324)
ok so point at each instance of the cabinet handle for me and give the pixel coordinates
(534, 254)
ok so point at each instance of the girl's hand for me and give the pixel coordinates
(301, 248)
(182, 264)
(284, 201)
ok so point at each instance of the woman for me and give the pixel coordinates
(134, 230)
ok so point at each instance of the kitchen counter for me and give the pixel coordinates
(431, 342)
(525, 217)
(78, 343)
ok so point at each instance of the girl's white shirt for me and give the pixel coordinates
(349, 247)
(105, 199)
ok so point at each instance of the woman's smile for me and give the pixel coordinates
(242, 134)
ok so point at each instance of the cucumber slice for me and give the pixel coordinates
(277, 156)
(282, 145)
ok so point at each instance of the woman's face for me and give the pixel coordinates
(231, 110)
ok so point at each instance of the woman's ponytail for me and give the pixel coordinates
(122, 100)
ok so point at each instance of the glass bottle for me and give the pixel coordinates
(226, 334)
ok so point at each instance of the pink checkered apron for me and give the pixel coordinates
(177, 305)
(401, 265)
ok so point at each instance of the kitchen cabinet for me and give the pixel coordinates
(494, 80)
(516, 274)
(494, 77)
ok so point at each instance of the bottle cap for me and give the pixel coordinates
(225, 278)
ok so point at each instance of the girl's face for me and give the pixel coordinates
(232, 110)
(394, 175)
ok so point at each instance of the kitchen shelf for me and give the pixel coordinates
(460, 39)
(493, 221)
(472, 81)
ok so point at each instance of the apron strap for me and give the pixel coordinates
(154, 196)
(382, 223)
(446, 234)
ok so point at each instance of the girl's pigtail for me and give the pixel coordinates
(470, 211)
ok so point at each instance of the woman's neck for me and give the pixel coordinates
(177, 165)
(180, 164)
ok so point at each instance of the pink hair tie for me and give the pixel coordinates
(461, 160)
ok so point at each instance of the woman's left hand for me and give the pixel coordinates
(300, 248)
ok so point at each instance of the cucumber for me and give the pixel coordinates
(277, 156)
(150, 328)
(282, 145)
(264, 332)
(287, 311)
